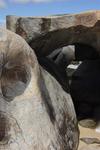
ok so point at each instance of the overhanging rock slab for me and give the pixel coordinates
(44, 34)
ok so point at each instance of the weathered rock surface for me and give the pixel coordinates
(46, 34)
(35, 113)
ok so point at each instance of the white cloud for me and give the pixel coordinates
(38, 1)
(20, 1)
(27, 1)
(2, 3)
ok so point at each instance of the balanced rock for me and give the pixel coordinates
(35, 112)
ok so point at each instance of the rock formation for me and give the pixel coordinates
(50, 37)
(45, 34)
(35, 112)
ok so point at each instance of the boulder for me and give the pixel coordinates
(35, 112)
(63, 56)
(45, 34)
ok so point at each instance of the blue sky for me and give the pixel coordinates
(45, 7)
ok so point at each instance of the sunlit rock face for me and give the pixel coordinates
(45, 34)
(35, 112)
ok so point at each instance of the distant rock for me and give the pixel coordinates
(88, 140)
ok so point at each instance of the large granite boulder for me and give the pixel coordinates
(45, 34)
(35, 112)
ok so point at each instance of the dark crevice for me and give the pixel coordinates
(47, 100)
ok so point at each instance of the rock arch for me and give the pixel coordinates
(46, 34)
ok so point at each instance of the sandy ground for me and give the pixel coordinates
(88, 133)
